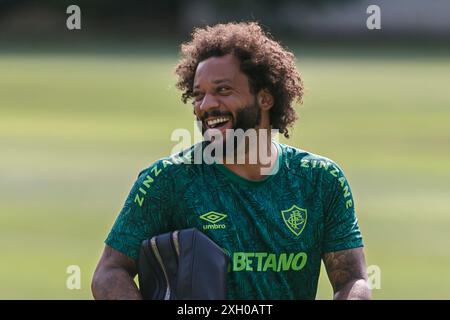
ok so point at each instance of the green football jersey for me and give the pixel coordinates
(274, 230)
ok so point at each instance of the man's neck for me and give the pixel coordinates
(258, 170)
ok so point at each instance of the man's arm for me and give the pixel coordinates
(113, 277)
(347, 273)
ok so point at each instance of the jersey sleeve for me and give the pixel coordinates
(341, 229)
(145, 212)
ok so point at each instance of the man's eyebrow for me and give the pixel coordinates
(217, 81)
(221, 80)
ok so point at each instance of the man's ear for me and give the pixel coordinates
(265, 99)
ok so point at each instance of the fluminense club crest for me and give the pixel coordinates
(295, 219)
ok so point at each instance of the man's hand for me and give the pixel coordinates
(347, 273)
(113, 277)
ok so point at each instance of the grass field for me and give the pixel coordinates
(76, 129)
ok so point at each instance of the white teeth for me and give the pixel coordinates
(216, 121)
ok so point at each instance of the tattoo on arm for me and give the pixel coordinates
(347, 273)
(114, 277)
(117, 285)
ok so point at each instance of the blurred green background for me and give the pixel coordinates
(75, 129)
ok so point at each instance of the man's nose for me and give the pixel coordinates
(209, 102)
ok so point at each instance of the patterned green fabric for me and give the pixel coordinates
(274, 230)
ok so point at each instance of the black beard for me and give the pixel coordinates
(248, 117)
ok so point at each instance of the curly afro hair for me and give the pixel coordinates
(265, 62)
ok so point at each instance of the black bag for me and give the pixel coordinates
(182, 265)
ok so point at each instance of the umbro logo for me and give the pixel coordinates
(213, 218)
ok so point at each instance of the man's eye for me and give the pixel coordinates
(223, 89)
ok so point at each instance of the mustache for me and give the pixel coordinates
(215, 113)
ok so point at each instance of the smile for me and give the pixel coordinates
(217, 122)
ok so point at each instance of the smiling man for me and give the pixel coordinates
(276, 225)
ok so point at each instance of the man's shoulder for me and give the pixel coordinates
(309, 164)
(174, 165)
(303, 158)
